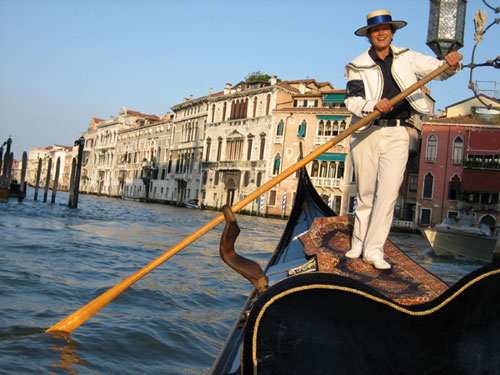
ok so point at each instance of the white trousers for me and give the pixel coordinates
(379, 156)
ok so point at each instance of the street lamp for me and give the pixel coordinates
(446, 26)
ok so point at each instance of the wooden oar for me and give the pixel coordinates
(77, 318)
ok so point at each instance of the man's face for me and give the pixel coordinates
(380, 36)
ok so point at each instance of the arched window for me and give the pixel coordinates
(431, 150)
(209, 144)
(314, 169)
(335, 127)
(246, 178)
(213, 112)
(340, 170)
(342, 126)
(332, 169)
(428, 186)
(268, 104)
(328, 129)
(279, 131)
(249, 149)
(323, 169)
(454, 189)
(219, 149)
(276, 165)
(259, 179)
(262, 147)
(302, 129)
(254, 106)
(224, 112)
(458, 151)
(321, 128)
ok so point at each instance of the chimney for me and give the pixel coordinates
(211, 91)
(274, 80)
(191, 97)
(185, 100)
(227, 89)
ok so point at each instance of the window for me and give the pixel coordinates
(209, 144)
(321, 128)
(249, 150)
(216, 180)
(323, 169)
(279, 131)
(246, 178)
(428, 186)
(335, 128)
(272, 197)
(328, 129)
(268, 104)
(340, 170)
(254, 106)
(332, 168)
(454, 189)
(259, 179)
(413, 183)
(425, 216)
(352, 205)
(431, 150)
(277, 162)
(302, 129)
(314, 169)
(458, 151)
(219, 149)
(224, 112)
(262, 147)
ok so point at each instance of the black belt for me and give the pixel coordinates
(392, 122)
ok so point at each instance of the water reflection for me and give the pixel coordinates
(68, 353)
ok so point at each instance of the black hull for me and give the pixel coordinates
(323, 323)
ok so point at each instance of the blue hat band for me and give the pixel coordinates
(379, 19)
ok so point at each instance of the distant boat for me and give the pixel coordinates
(450, 238)
(192, 203)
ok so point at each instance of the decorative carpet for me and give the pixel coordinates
(406, 283)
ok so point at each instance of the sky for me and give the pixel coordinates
(63, 62)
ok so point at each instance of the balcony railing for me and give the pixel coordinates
(327, 182)
(481, 165)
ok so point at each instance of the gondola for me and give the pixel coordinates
(313, 311)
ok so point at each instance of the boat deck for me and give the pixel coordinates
(406, 283)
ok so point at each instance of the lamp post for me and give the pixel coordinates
(446, 26)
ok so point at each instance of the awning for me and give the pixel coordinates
(331, 118)
(483, 143)
(334, 98)
(480, 180)
(331, 157)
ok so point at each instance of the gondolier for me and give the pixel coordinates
(380, 151)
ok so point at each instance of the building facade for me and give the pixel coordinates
(460, 167)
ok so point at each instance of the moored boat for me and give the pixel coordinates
(320, 312)
(449, 239)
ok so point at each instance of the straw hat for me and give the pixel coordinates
(379, 17)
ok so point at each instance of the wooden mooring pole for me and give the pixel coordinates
(22, 185)
(37, 184)
(56, 180)
(47, 181)
(76, 172)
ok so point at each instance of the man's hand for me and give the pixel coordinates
(453, 59)
(384, 106)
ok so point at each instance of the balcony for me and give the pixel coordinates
(321, 140)
(487, 165)
(328, 182)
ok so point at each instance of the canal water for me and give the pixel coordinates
(53, 260)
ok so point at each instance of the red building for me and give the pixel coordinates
(459, 167)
